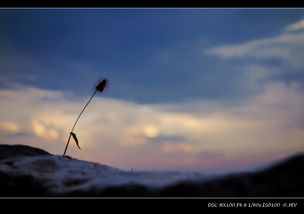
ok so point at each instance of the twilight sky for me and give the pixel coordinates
(190, 89)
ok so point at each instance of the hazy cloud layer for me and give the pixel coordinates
(163, 136)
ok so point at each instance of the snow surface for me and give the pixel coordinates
(62, 175)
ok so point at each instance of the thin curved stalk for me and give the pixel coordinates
(77, 121)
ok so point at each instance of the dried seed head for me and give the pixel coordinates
(101, 86)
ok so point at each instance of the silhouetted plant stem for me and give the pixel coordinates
(77, 121)
(100, 87)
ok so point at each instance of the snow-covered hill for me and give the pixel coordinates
(28, 171)
(60, 175)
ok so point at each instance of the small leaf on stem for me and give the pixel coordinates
(75, 138)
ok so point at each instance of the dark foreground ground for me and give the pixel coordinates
(28, 171)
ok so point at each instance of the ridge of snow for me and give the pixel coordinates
(62, 175)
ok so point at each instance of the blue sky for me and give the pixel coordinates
(187, 67)
(149, 55)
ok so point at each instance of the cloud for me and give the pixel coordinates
(150, 131)
(264, 61)
(176, 147)
(287, 46)
(164, 136)
(295, 26)
(281, 46)
(9, 127)
(42, 130)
